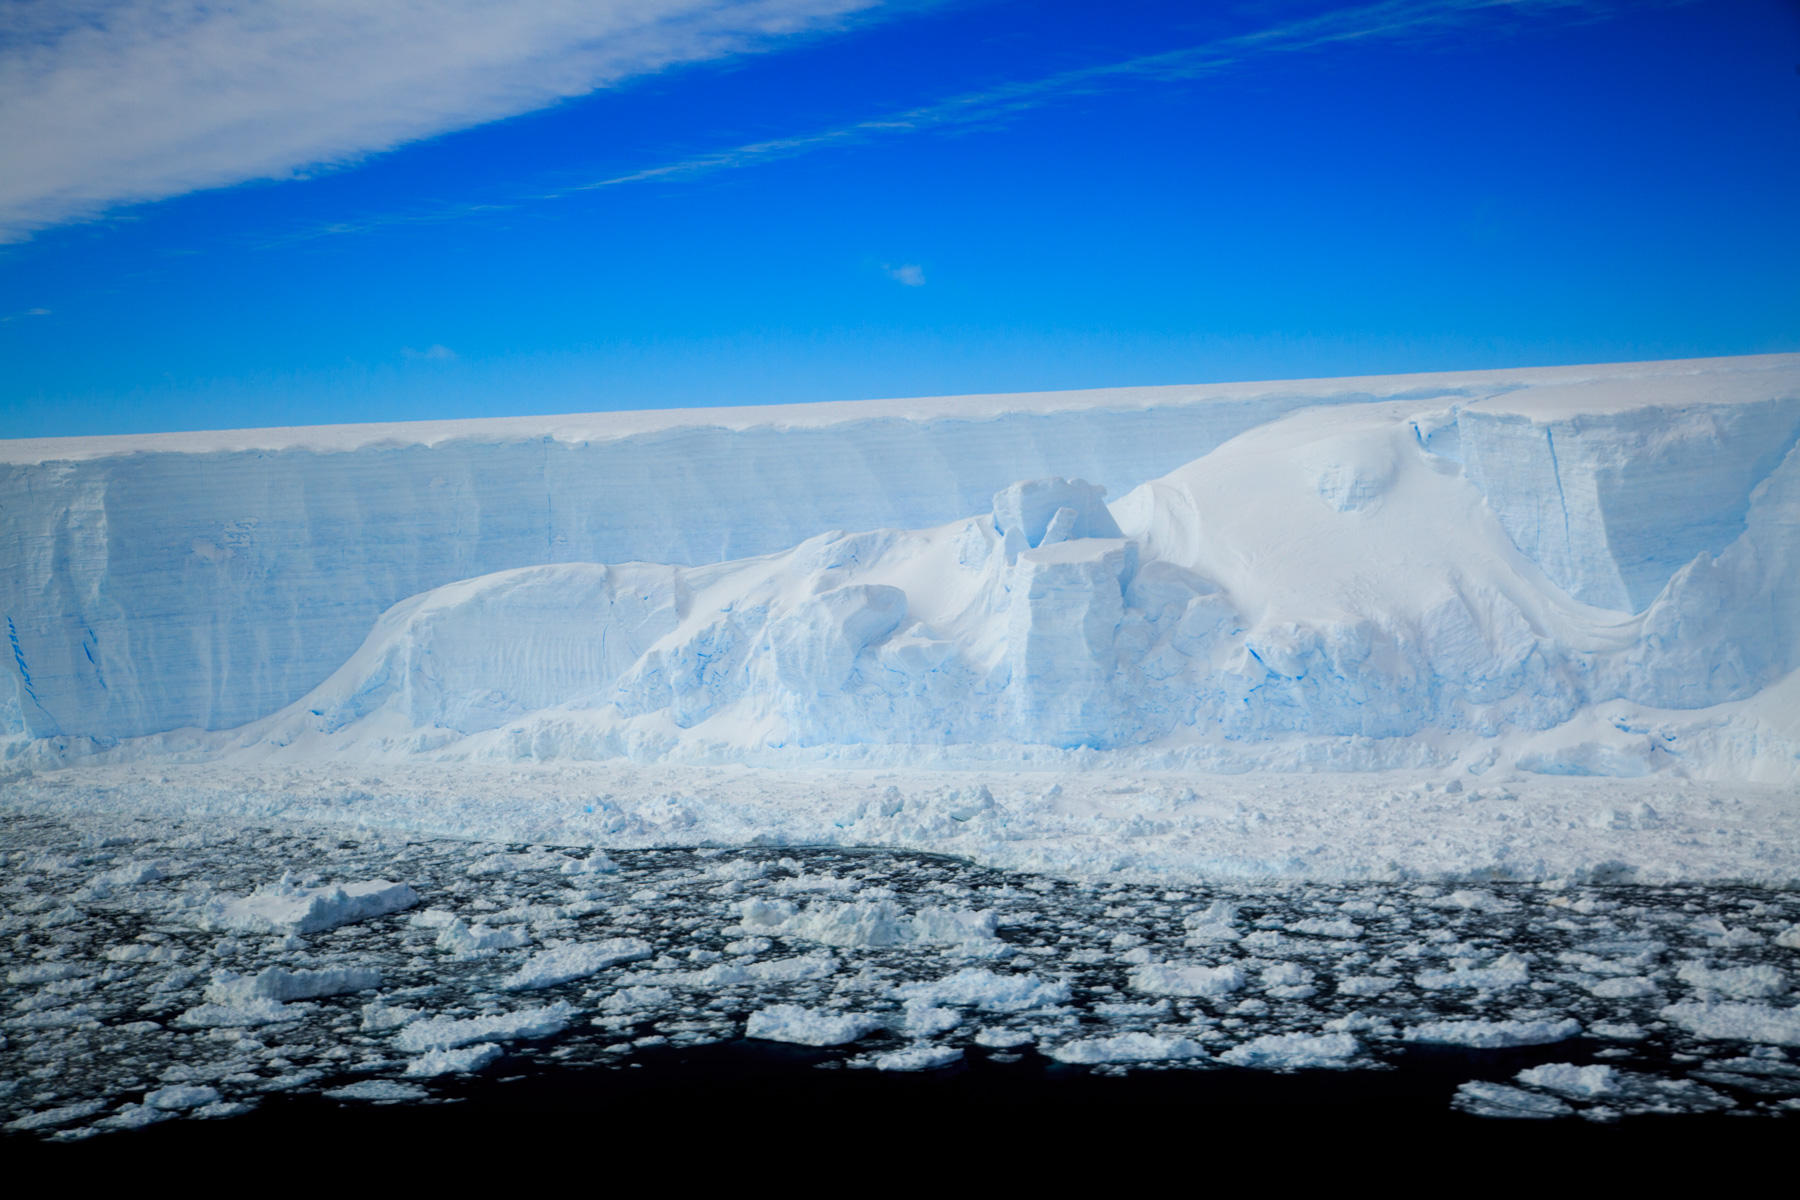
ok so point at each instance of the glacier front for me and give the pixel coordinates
(1571, 571)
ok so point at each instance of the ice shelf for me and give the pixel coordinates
(1570, 571)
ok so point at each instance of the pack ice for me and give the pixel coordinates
(1581, 571)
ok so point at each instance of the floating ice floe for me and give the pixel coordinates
(992, 991)
(379, 1091)
(1293, 1051)
(1742, 1022)
(923, 1057)
(464, 940)
(241, 1014)
(859, 923)
(447, 1033)
(1128, 1047)
(1622, 987)
(449, 1062)
(1507, 971)
(1483, 1099)
(180, 1096)
(282, 985)
(1754, 982)
(286, 907)
(1173, 980)
(578, 960)
(1493, 1035)
(809, 1026)
(1570, 1080)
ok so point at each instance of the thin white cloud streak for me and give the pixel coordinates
(1390, 20)
(1386, 20)
(105, 102)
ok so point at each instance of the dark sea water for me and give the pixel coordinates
(972, 1004)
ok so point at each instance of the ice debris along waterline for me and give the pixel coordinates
(1589, 572)
(128, 1003)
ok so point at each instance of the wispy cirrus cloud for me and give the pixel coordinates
(1387, 20)
(104, 102)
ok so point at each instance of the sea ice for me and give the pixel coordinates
(181, 1096)
(922, 1057)
(447, 1033)
(381, 1091)
(457, 1061)
(1742, 1022)
(463, 939)
(1127, 1047)
(1291, 1051)
(1493, 1035)
(976, 987)
(809, 1026)
(286, 907)
(1567, 1079)
(578, 960)
(1497, 1100)
(1176, 980)
(282, 985)
(1752, 982)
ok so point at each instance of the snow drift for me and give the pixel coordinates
(1593, 575)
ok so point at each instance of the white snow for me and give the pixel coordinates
(240, 1014)
(1623, 987)
(809, 1026)
(1550, 619)
(1498, 1100)
(1493, 1035)
(282, 985)
(1128, 1047)
(379, 1091)
(285, 907)
(1570, 1080)
(1752, 982)
(465, 940)
(578, 960)
(50, 972)
(457, 1061)
(51, 1117)
(859, 923)
(448, 1033)
(289, 542)
(1468, 574)
(1509, 970)
(1743, 1022)
(181, 1096)
(917, 1058)
(990, 991)
(1179, 980)
(1293, 1051)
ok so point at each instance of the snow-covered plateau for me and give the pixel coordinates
(1525, 624)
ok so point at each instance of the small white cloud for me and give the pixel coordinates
(906, 274)
(30, 312)
(434, 353)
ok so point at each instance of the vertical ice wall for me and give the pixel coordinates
(1612, 503)
(164, 582)
(210, 579)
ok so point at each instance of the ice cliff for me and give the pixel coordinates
(1581, 570)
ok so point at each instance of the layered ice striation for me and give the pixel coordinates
(1556, 571)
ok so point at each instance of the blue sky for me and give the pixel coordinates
(817, 200)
